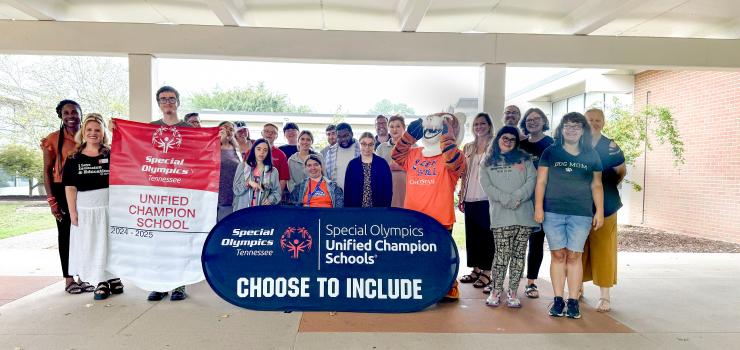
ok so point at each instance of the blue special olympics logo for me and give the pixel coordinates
(296, 241)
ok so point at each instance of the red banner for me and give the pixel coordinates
(164, 183)
(165, 156)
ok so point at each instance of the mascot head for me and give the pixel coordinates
(434, 128)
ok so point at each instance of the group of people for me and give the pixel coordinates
(518, 186)
(535, 186)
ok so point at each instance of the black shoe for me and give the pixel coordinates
(573, 309)
(156, 296)
(178, 295)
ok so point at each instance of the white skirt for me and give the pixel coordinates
(88, 241)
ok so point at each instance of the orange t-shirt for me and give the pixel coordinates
(50, 149)
(320, 197)
(430, 187)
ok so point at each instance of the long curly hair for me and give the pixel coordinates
(494, 157)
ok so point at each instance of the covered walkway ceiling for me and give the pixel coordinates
(715, 19)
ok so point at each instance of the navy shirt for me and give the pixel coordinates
(289, 150)
(569, 179)
(536, 148)
(611, 156)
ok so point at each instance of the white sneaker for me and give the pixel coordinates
(493, 299)
(512, 300)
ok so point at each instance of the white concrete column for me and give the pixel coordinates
(142, 81)
(492, 94)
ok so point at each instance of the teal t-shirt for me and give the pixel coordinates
(569, 179)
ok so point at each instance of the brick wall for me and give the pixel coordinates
(702, 196)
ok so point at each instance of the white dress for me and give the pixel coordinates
(88, 242)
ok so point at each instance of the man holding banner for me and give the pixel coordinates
(163, 194)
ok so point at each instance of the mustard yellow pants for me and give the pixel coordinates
(600, 254)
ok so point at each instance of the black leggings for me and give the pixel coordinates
(57, 190)
(534, 257)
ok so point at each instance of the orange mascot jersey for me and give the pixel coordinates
(430, 187)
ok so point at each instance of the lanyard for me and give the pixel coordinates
(312, 193)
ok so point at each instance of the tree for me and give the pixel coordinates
(30, 88)
(630, 130)
(249, 99)
(23, 161)
(388, 108)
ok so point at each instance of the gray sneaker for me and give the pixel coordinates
(494, 299)
(512, 300)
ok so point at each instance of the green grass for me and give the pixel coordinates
(17, 218)
(458, 230)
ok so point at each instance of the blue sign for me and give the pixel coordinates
(315, 259)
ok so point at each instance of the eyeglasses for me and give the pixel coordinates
(367, 144)
(573, 127)
(511, 113)
(508, 139)
(534, 119)
(170, 100)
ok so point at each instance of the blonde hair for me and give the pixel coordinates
(80, 135)
(597, 111)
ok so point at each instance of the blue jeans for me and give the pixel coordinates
(566, 231)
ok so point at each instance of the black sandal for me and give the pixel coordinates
(471, 277)
(86, 287)
(102, 291)
(116, 287)
(73, 288)
(479, 283)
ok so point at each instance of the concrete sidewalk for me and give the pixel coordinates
(667, 300)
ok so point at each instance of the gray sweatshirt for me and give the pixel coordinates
(506, 185)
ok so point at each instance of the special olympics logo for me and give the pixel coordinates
(295, 241)
(166, 137)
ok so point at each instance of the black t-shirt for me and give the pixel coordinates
(289, 150)
(536, 148)
(86, 173)
(611, 156)
(569, 179)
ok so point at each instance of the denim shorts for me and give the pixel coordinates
(566, 231)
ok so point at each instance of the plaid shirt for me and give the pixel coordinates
(331, 159)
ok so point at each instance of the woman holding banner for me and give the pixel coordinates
(230, 161)
(368, 181)
(256, 181)
(508, 176)
(317, 191)
(86, 185)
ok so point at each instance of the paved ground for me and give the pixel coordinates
(663, 301)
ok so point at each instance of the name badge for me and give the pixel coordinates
(103, 161)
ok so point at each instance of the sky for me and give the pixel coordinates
(356, 88)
